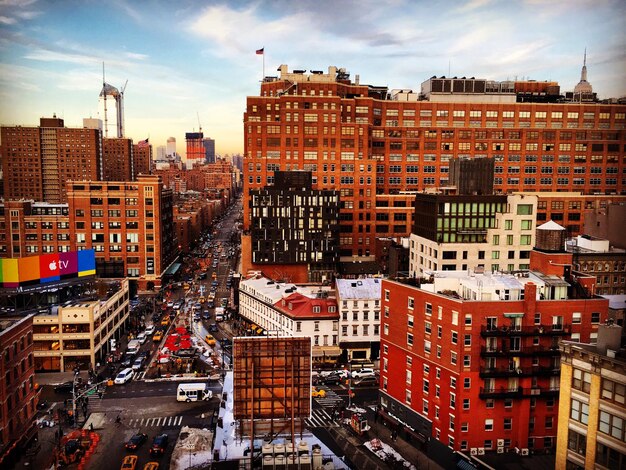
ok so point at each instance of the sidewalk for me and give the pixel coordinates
(409, 452)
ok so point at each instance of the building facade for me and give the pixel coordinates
(37, 161)
(359, 322)
(596, 257)
(592, 404)
(289, 310)
(472, 359)
(368, 142)
(118, 159)
(495, 233)
(142, 158)
(79, 334)
(293, 224)
(18, 397)
(195, 149)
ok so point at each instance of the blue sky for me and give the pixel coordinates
(189, 58)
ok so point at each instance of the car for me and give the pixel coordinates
(317, 393)
(206, 315)
(136, 441)
(213, 328)
(365, 381)
(141, 337)
(333, 379)
(65, 387)
(128, 361)
(138, 364)
(124, 376)
(129, 462)
(170, 304)
(159, 444)
(365, 372)
(210, 340)
(150, 330)
(143, 354)
(151, 466)
(158, 336)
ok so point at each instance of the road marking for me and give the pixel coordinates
(180, 420)
(169, 421)
(141, 424)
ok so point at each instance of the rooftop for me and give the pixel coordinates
(368, 288)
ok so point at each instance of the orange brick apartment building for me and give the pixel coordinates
(375, 145)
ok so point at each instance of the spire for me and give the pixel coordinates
(583, 72)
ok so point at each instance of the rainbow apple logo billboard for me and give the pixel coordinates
(33, 270)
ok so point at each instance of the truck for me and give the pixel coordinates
(193, 392)
(219, 314)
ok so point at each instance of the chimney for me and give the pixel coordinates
(530, 299)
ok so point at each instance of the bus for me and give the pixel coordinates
(193, 392)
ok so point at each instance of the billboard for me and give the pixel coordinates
(35, 270)
(272, 382)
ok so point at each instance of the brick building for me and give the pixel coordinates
(37, 161)
(373, 144)
(142, 158)
(18, 397)
(472, 359)
(128, 224)
(117, 159)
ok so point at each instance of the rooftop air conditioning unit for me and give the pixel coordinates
(481, 451)
(473, 451)
(525, 452)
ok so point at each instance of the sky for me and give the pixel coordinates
(190, 63)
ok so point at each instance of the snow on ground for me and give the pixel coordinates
(385, 452)
(193, 448)
(356, 409)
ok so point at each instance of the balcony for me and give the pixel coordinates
(501, 392)
(486, 372)
(537, 330)
(505, 351)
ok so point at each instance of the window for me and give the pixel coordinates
(579, 411)
(466, 403)
(581, 380)
(467, 340)
(611, 425)
(613, 391)
(489, 425)
(428, 327)
(426, 386)
(595, 317)
(455, 337)
(453, 357)
(409, 339)
(508, 424)
(410, 321)
(467, 382)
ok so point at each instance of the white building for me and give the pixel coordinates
(476, 232)
(284, 309)
(359, 322)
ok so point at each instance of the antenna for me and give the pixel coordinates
(199, 125)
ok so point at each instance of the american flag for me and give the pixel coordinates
(143, 143)
(260, 51)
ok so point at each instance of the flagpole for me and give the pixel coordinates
(263, 76)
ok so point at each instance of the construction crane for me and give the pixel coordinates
(110, 90)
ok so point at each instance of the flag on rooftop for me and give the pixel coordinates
(260, 51)
(143, 143)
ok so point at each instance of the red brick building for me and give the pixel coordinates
(142, 158)
(128, 224)
(117, 159)
(375, 144)
(472, 360)
(37, 161)
(18, 397)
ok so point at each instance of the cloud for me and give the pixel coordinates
(472, 5)
(7, 20)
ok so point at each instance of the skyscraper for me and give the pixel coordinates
(195, 149)
(209, 150)
(171, 147)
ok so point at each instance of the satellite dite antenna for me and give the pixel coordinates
(110, 90)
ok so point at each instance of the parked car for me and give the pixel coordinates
(141, 337)
(138, 364)
(136, 441)
(365, 372)
(151, 466)
(213, 328)
(159, 444)
(365, 381)
(333, 379)
(150, 330)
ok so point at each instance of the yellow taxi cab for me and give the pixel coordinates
(186, 286)
(165, 321)
(158, 336)
(202, 299)
(129, 462)
(210, 340)
(315, 393)
(151, 466)
(214, 275)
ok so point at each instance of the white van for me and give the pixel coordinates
(124, 376)
(141, 337)
(193, 392)
(133, 346)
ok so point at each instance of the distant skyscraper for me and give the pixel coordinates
(195, 149)
(160, 152)
(209, 150)
(171, 147)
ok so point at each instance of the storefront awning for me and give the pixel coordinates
(329, 351)
(173, 269)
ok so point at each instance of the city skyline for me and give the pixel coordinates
(194, 64)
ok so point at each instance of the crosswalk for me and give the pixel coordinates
(331, 400)
(320, 418)
(174, 421)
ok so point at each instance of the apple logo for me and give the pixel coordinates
(52, 266)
